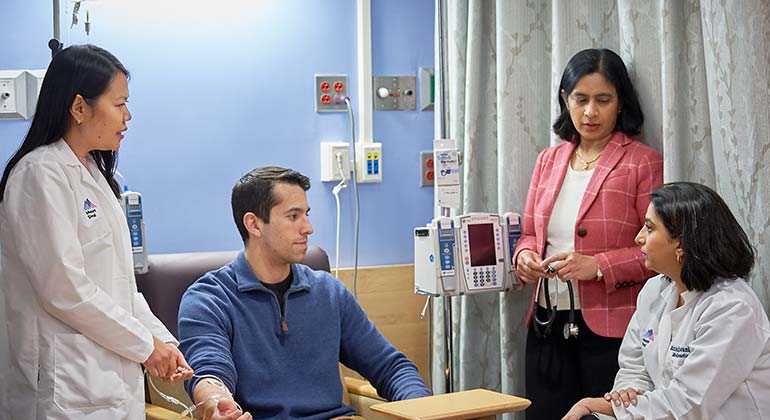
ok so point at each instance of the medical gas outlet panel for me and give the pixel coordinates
(369, 162)
(466, 254)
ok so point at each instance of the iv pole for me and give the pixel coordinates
(54, 44)
(442, 116)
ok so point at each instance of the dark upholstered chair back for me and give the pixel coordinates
(169, 275)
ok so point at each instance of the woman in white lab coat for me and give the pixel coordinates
(78, 329)
(698, 346)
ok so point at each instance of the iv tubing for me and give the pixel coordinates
(188, 410)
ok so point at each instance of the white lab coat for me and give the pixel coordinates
(708, 359)
(78, 329)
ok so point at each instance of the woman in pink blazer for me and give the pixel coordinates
(586, 202)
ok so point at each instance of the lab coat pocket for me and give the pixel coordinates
(86, 375)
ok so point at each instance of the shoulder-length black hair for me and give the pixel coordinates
(84, 70)
(713, 242)
(609, 65)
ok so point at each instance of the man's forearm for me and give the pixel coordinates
(208, 391)
(598, 405)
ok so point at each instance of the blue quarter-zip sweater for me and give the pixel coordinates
(230, 326)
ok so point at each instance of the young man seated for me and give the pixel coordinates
(268, 332)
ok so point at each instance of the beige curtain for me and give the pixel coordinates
(701, 71)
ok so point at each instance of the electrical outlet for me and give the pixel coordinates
(427, 169)
(330, 165)
(330, 91)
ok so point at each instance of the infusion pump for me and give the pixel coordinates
(466, 254)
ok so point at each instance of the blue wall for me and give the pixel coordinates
(218, 89)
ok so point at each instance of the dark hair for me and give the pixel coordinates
(714, 243)
(609, 65)
(254, 193)
(84, 70)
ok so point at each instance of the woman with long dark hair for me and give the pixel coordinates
(586, 201)
(78, 329)
(698, 346)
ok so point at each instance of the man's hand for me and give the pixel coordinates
(573, 266)
(530, 267)
(624, 396)
(228, 410)
(214, 401)
(165, 360)
(587, 406)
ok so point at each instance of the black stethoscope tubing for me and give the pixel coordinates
(543, 327)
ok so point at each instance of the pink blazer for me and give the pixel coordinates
(610, 215)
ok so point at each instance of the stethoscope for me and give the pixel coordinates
(543, 328)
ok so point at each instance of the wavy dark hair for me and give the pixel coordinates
(714, 243)
(254, 193)
(609, 65)
(84, 70)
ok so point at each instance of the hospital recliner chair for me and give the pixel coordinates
(168, 277)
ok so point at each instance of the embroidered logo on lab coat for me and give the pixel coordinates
(647, 337)
(680, 352)
(89, 208)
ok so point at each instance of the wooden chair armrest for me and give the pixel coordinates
(472, 404)
(361, 387)
(154, 412)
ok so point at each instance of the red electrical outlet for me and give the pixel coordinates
(427, 170)
(330, 91)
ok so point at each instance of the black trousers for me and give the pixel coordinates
(560, 372)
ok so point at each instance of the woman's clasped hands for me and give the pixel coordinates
(566, 265)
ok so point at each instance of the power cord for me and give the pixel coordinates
(336, 192)
(355, 191)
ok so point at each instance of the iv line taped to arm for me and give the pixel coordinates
(211, 380)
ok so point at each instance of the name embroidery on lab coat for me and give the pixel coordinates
(647, 337)
(679, 352)
(89, 208)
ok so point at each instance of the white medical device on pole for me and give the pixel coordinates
(132, 207)
(466, 254)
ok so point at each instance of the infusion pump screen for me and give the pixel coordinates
(481, 241)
